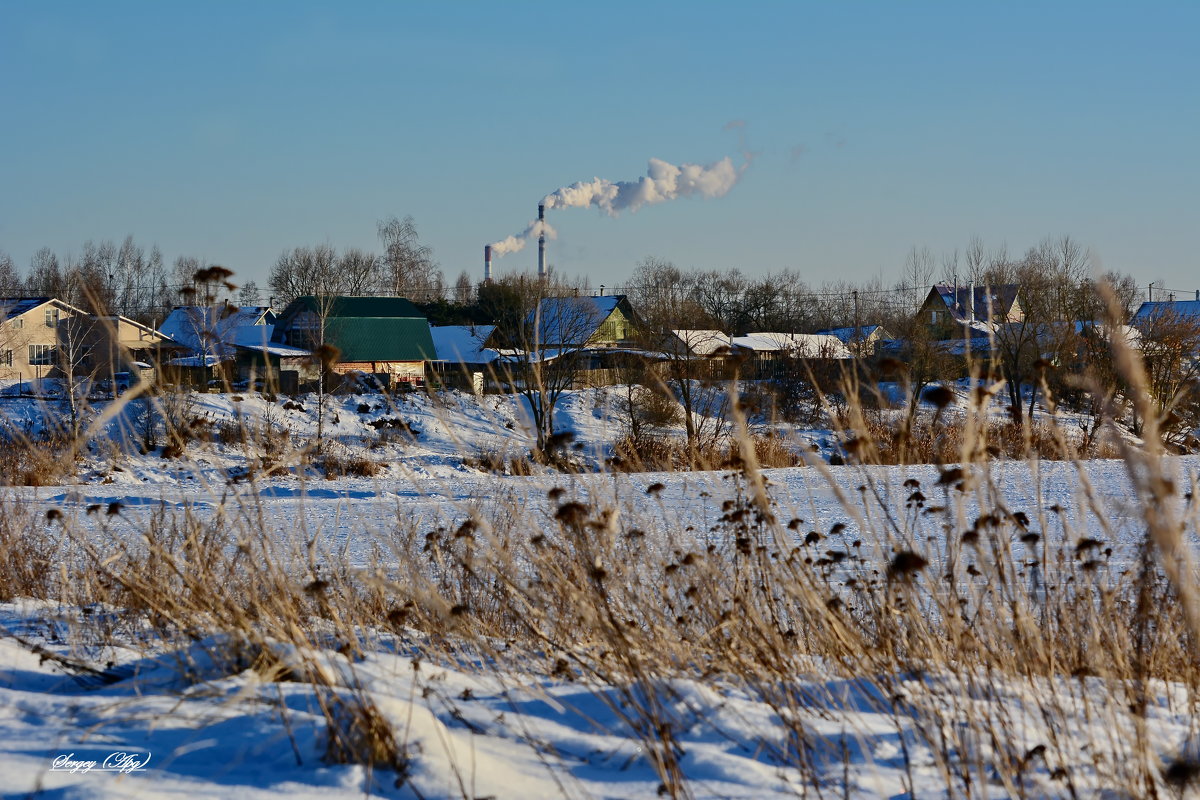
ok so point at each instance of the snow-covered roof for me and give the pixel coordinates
(515, 355)
(463, 344)
(848, 335)
(985, 301)
(805, 345)
(702, 342)
(572, 320)
(16, 306)
(1181, 309)
(195, 361)
(277, 349)
(218, 330)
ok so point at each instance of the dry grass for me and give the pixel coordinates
(36, 459)
(948, 582)
(334, 466)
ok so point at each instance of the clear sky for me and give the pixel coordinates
(233, 130)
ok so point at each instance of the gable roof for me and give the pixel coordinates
(701, 342)
(463, 344)
(16, 306)
(961, 299)
(572, 320)
(214, 330)
(805, 345)
(848, 335)
(1150, 311)
(359, 306)
(116, 322)
(367, 328)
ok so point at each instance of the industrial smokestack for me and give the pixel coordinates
(487, 263)
(541, 240)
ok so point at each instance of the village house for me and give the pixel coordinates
(102, 347)
(763, 354)
(43, 337)
(697, 343)
(565, 322)
(956, 312)
(387, 337)
(29, 336)
(217, 331)
(463, 360)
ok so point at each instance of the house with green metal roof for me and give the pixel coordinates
(378, 335)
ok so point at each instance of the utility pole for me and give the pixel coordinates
(856, 327)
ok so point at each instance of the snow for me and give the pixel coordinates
(808, 345)
(513, 731)
(463, 344)
(701, 342)
(219, 729)
(215, 331)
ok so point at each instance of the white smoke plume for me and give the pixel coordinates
(513, 244)
(663, 181)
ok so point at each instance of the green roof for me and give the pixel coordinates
(374, 328)
(365, 306)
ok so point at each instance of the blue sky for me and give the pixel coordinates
(232, 130)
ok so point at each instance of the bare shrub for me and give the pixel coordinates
(41, 458)
(356, 733)
(28, 550)
(335, 466)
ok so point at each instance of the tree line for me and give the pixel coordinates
(135, 281)
(1055, 277)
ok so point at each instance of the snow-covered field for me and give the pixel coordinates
(223, 731)
(193, 720)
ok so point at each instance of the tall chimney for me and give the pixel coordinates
(541, 241)
(487, 263)
(971, 301)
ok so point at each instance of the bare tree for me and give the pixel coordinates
(976, 261)
(45, 276)
(541, 331)
(1170, 344)
(924, 361)
(676, 324)
(160, 296)
(464, 290)
(357, 272)
(645, 407)
(409, 269)
(92, 278)
(719, 294)
(304, 271)
(1125, 293)
(182, 278)
(325, 356)
(319, 271)
(1055, 292)
(249, 295)
(10, 281)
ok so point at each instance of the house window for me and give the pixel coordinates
(51, 317)
(5, 358)
(933, 317)
(41, 354)
(19, 322)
